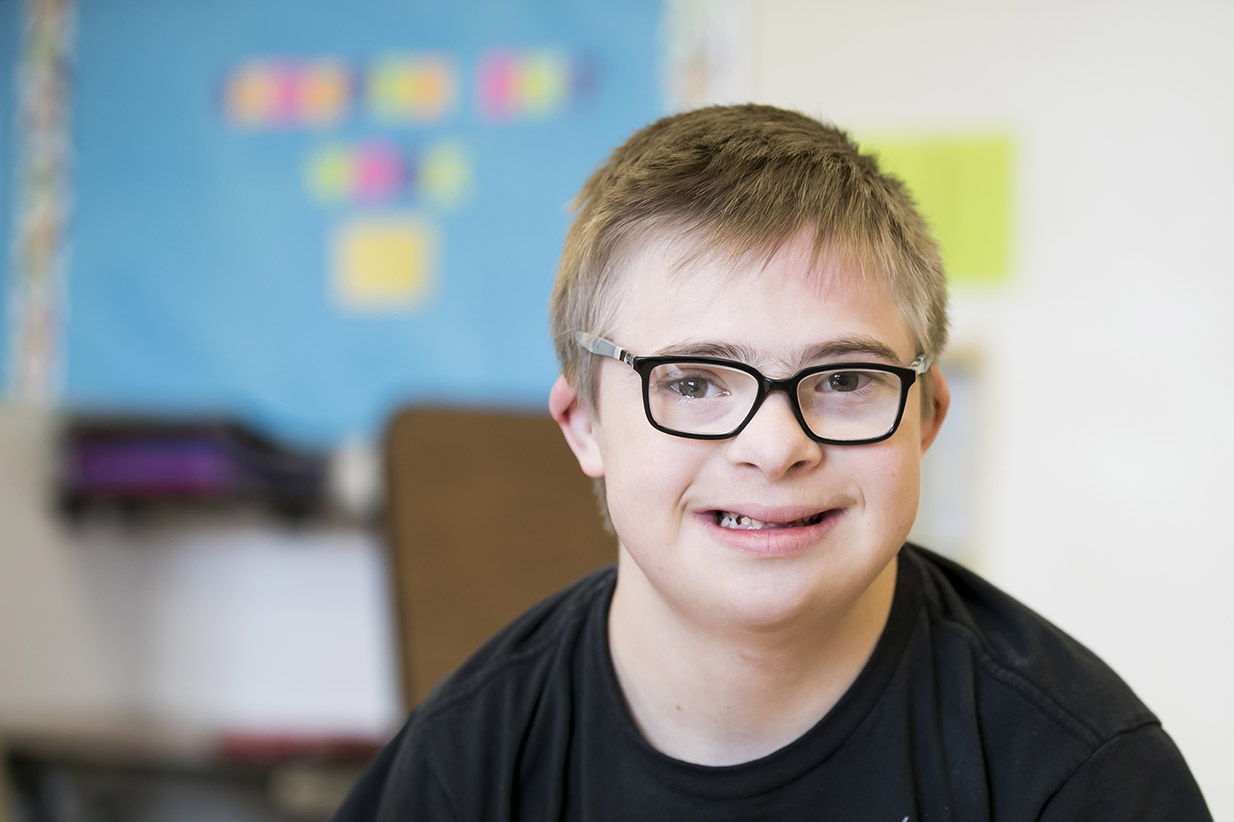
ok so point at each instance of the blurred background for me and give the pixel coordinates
(237, 238)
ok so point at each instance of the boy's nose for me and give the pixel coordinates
(774, 441)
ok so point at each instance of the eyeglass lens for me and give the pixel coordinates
(847, 404)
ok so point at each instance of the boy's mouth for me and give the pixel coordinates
(740, 522)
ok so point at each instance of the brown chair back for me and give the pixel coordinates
(487, 513)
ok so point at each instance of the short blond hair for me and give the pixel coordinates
(746, 178)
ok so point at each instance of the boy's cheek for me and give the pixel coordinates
(898, 483)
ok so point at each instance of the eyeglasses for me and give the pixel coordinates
(705, 398)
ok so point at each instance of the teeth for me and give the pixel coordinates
(727, 519)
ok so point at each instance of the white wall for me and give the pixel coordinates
(54, 654)
(1107, 470)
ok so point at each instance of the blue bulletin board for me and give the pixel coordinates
(305, 212)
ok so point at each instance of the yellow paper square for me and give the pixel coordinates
(384, 263)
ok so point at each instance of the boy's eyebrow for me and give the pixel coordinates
(719, 350)
(848, 346)
(831, 350)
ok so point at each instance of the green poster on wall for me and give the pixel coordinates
(963, 185)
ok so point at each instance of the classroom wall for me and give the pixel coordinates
(1105, 463)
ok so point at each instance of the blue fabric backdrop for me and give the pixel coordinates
(200, 271)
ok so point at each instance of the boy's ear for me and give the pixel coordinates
(576, 424)
(940, 401)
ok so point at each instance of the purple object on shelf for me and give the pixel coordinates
(143, 462)
(154, 467)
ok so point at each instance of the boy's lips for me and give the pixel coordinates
(758, 517)
(771, 530)
(742, 522)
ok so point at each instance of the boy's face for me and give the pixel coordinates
(665, 493)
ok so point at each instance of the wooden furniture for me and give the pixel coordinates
(487, 513)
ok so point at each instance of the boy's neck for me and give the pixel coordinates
(720, 695)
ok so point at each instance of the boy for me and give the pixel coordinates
(747, 315)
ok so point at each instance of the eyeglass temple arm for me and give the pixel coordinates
(604, 348)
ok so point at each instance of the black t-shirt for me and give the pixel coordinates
(971, 707)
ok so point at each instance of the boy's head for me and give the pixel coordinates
(733, 181)
(745, 313)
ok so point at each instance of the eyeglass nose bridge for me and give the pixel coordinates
(789, 385)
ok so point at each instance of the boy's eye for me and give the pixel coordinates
(694, 388)
(845, 381)
(691, 385)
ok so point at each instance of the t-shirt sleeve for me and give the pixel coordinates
(399, 784)
(1137, 776)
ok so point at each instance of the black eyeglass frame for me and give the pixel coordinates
(643, 366)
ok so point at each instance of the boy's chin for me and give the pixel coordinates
(780, 596)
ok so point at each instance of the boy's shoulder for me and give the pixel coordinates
(1057, 727)
(1026, 657)
(469, 729)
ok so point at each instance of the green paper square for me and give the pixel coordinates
(962, 185)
